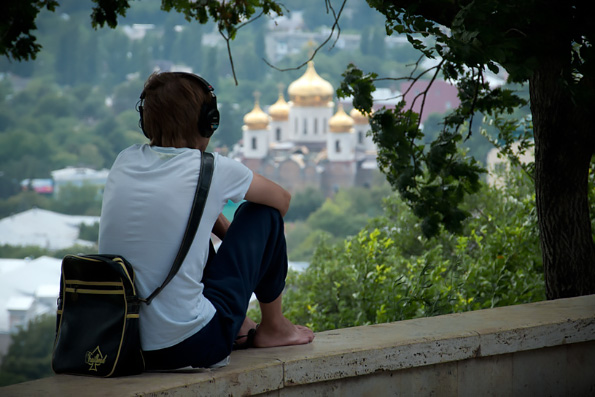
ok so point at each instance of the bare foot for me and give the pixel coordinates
(247, 325)
(243, 336)
(282, 333)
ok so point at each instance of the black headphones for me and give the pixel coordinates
(208, 120)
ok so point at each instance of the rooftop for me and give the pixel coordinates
(22, 281)
(44, 229)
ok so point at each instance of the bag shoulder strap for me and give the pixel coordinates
(198, 206)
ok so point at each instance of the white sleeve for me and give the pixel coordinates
(233, 177)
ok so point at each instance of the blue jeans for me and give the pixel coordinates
(251, 258)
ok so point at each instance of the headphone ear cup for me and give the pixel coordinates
(213, 118)
(210, 124)
(140, 120)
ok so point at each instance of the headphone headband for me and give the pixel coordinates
(208, 120)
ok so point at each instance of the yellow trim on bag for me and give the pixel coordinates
(121, 262)
(102, 283)
(85, 258)
(121, 341)
(132, 316)
(94, 291)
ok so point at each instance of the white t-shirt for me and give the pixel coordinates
(146, 204)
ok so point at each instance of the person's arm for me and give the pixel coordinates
(264, 191)
(221, 226)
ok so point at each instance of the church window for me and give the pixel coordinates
(278, 134)
(254, 143)
(338, 146)
(315, 126)
(305, 127)
(360, 137)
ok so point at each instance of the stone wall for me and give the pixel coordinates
(539, 349)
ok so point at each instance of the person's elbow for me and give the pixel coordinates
(284, 202)
(267, 192)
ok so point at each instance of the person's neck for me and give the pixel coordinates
(202, 144)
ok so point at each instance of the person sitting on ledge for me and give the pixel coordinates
(200, 316)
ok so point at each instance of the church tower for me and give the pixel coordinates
(340, 170)
(303, 142)
(361, 126)
(341, 140)
(279, 112)
(255, 135)
(311, 109)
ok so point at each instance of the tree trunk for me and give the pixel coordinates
(563, 150)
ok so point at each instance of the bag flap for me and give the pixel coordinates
(98, 268)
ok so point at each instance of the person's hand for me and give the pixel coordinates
(221, 226)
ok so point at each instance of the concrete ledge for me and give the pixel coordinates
(501, 345)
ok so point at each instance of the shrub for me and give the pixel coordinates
(389, 272)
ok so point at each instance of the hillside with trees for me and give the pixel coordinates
(74, 105)
(556, 64)
(444, 242)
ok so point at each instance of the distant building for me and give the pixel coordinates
(306, 142)
(441, 97)
(499, 165)
(44, 229)
(78, 176)
(28, 288)
(73, 176)
(38, 185)
(282, 43)
(309, 141)
(137, 31)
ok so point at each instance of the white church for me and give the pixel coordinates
(308, 141)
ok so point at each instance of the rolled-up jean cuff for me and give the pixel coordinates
(269, 296)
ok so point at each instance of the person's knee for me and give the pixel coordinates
(260, 211)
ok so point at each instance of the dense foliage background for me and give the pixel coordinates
(74, 105)
(389, 271)
(369, 263)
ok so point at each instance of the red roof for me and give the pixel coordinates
(441, 97)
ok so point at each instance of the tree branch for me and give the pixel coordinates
(337, 16)
(439, 11)
(227, 39)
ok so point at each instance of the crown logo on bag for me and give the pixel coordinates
(94, 359)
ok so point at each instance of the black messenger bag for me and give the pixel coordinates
(97, 322)
(97, 325)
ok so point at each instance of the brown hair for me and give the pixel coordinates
(171, 109)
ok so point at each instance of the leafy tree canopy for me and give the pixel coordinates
(546, 43)
(16, 27)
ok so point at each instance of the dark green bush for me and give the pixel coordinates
(390, 272)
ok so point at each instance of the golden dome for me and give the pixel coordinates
(310, 89)
(257, 119)
(340, 122)
(358, 117)
(279, 111)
